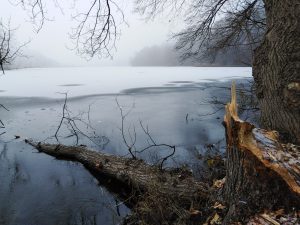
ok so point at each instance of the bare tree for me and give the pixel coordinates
(8, 50)
(96, 27)
(212, 25)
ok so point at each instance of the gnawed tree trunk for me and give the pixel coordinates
(262, 184)
(276, 69)
(262, 174)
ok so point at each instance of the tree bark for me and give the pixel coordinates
(261, 173)
(276, 69)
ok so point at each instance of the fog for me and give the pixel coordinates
(166, 55)
(53, 43)
(163, 55)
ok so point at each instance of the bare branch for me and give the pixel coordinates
(151, 8)
(9, 51)
(131, 141)
(63, 116)
(155, 145)
(36, 10)
(2, 106)
(96, 32)
(130, 146)
(73, 122)
(212, 26)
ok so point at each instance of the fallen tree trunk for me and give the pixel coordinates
(136, 182)
(262, 181)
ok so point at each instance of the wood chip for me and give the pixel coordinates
(219, 183)
(218, 205)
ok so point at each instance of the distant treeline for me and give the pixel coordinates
(167, 55)
(32, 59)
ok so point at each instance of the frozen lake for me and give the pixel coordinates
(172, 102)
(107, 80)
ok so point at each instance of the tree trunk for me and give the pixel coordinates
(276, 69)
(2, 69)
(261, 173)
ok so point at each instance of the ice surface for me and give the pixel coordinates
(46, 82)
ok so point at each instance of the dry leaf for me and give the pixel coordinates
(269, 219)
(216, 219)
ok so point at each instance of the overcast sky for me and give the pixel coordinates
(53, 41)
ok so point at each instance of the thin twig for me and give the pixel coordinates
(123, 118)
(71, 123)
